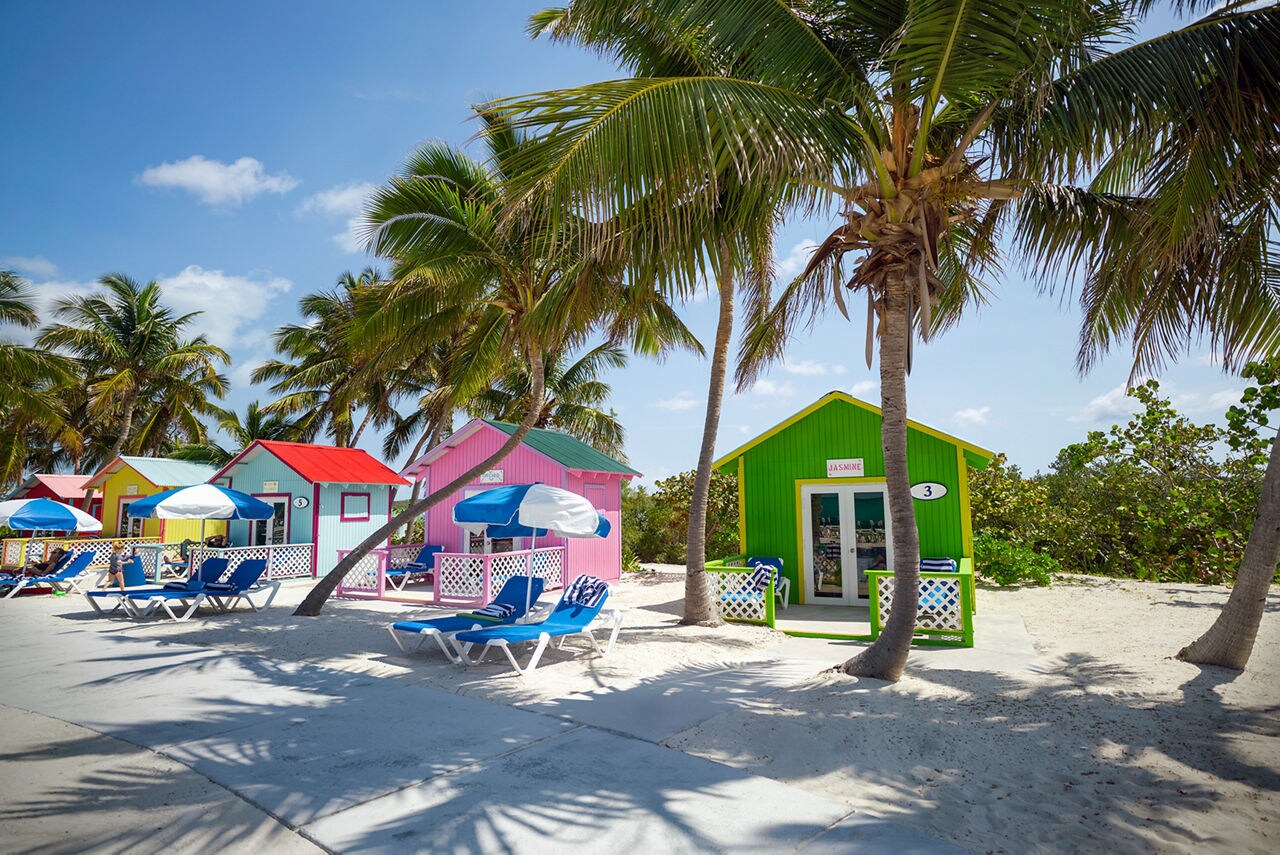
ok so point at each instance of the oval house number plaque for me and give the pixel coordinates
(927, 491)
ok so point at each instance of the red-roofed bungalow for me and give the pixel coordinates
(68, 489)
(332, 497)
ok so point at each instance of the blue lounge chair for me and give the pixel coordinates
(63, 580)
(239, 587)
(578, 609)
(422, 565)
(510, 601)
(210, 571)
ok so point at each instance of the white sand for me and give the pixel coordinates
(1098, 741)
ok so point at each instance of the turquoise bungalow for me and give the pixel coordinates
(811, 496)
(330, 497)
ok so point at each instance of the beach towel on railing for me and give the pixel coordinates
(586, 591)
(762, 575)
(937, 565)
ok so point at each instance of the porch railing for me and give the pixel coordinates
(284, 560)
(459, 578)
(17, 551)
(944, 612)
(738, 599)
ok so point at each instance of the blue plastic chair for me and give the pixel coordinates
(210, 571)
(239, 587)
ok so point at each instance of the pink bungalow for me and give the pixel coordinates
(545, 456)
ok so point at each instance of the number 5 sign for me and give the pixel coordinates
(927, 491)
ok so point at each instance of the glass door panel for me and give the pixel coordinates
(271, 532)
(826, 558)
(872, 538)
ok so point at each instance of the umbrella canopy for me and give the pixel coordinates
(201, 502)
(45, 515)
(528, 510)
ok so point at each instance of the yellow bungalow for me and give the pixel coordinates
(127, 479)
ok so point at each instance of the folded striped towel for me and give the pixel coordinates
(491, 612)
(761, 575)
(586, 591)
(937, 565)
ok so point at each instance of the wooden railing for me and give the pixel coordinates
(459, 578)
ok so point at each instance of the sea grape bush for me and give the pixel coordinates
(654, 525)
(1158, 498)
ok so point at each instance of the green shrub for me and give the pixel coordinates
(1007, 563)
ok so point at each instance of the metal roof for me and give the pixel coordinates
(564, 449)
(325, 464)
(160, 471)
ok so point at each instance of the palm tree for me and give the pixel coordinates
(933, 125)
(324, 380)
(256, 424)
(131, 346)
(733, 249)
(505, 287)
(574, 398)
(28, 404)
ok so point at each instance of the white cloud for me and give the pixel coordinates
(347, 200)
(773, 389)
(227, 302)
(1219, 401)
(789, 267)
(864, 388)
(1109, 407)
(33, 265)
(682, 401)
(810, 368)
(972, 415)
(216, 183)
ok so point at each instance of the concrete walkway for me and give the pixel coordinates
(245, 754)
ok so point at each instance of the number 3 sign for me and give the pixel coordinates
(927, 491)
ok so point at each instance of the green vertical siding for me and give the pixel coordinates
(800, 452)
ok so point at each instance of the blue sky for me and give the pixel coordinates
(224, 149)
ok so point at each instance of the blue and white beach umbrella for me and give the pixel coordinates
(201, 502)
(529, 510)
(45, 515)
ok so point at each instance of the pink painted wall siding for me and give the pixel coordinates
(598, 556)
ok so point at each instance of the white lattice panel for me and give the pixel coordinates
(739, 598)
(364, 575)
(101, 548)
(459, 576)
(14, 549)
(401, 554)
(940, 607)
(505, 565)
(548, 565)
(284, 560)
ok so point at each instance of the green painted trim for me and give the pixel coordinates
(742, 505)
(770, 603)
(745, 620)
(921, 635)
(795, 633)
(849, 399)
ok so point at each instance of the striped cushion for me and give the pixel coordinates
(937, 565)
(585, 591)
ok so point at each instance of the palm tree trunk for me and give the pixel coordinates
(319, 595)
(430, 438)
(125, 428)
(699, 604)
(1229, 641)
(887, 655)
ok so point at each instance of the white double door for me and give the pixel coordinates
(846, 533)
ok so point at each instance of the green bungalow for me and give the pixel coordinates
(811, 491)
